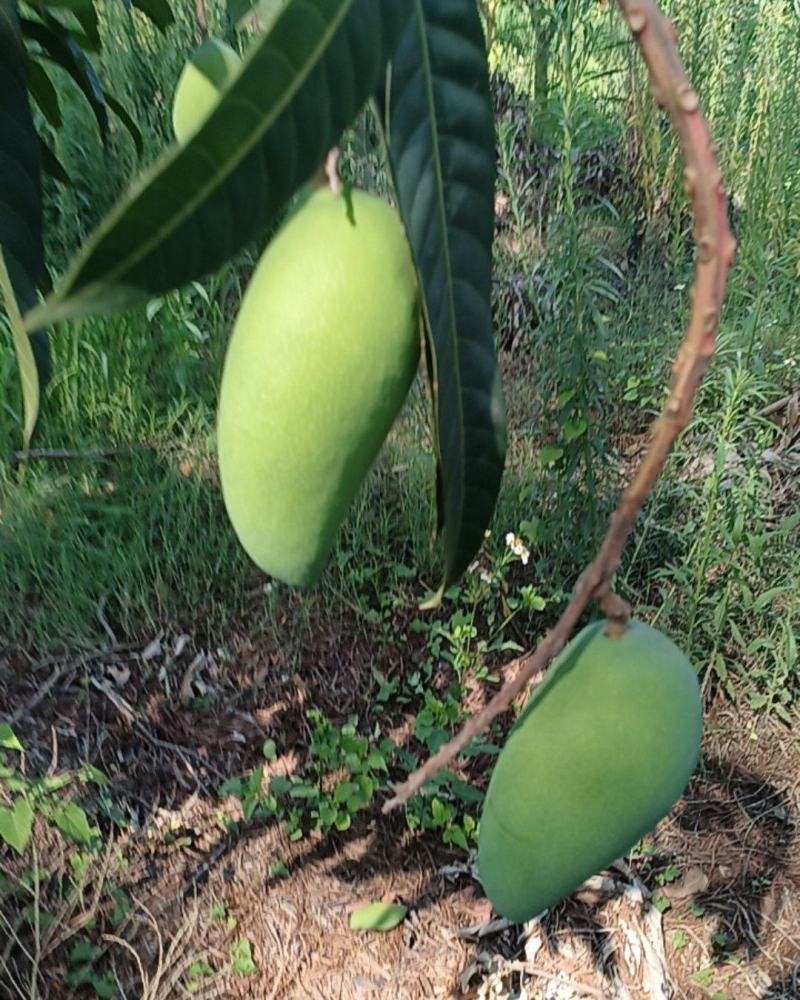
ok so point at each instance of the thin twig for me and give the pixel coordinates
(715, 244)
(92, 455)
(779, 404)
(42, 692)
(202, 19)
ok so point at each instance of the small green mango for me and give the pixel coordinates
(204, 76)
(322, 356)
(602, 751)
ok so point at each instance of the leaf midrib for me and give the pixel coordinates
(433, 120)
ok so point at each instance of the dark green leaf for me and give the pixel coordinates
(121, 113)
(51, 165)
(441, 144)
(238, 9)
(84, 13)
(158, 11)
(41, 88)
(59, 46)
(20, 185)
(301, 85)
(267, 11)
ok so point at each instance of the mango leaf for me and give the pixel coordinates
(16, 824)
(440, 133)
(60, 47)
(244, 13)
(84, 13)
(51, 164)
(237, 10)
(20, 187)
(377, 917)
(43, 91)
(300, 86)
(122, 113)
(158, 11)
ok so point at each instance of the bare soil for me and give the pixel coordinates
(726, 862)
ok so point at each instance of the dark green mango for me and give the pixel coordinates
(600, 754)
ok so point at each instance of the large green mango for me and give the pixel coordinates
(321, 359)
(204, 76)
(601, 752)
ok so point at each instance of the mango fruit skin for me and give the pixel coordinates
(600, 754)
(204, 76)
(322, 356)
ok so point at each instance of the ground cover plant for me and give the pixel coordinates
(196, 756)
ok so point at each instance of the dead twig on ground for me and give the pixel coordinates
(672, 90)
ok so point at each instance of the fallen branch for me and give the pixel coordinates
(671, 89)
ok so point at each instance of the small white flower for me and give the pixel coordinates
(680, 287)
(473, 566)
(524, 556)
(790, 363)
(487, 576)
(487, 534)
(510, 539)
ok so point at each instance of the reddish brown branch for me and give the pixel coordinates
(671, 89)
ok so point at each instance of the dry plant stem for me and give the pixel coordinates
(671, 89)
(202, 20)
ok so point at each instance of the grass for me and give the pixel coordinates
(127, 539)
(137, 541)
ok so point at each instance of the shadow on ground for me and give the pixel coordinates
(192, 891)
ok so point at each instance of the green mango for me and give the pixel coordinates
(204, 76)
(600, 754)
(322, 356)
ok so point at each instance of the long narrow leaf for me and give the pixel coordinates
(43, 91)
(302, 84)
(158, 11)
(441, 146)
(51, 164)
(62, 49)
(85, 14)
(24, 350)
(20, 183)
(122, 113)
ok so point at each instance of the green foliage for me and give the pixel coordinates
(242, 963)
(713, 559)
(343, 771)
(148, 244)
(195, 974)
(83, 970)
(377, 917)
(16, 824)
(28, 796)
(444, 176)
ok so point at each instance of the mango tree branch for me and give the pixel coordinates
(671, 89)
